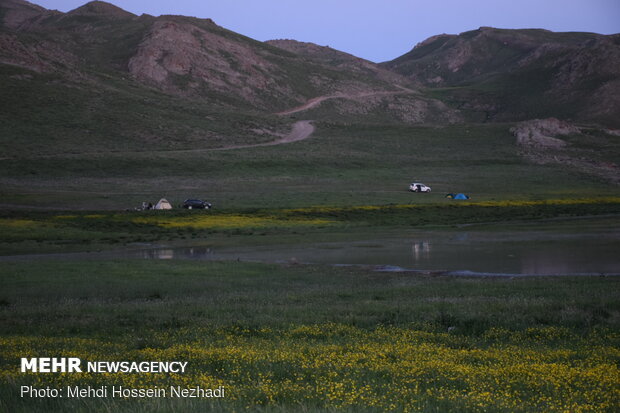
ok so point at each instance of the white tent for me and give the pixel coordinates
(163, 204)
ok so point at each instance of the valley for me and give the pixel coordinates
(317, 282)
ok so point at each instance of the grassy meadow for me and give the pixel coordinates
(314, 338)
(301, 338)
(26, 232)
(83, 145)
(340, 165)
(285, 338)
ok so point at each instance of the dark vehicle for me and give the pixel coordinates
(196, 204)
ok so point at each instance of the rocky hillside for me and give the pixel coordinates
(345, 62)
(520, 74)
(179, 55)
(483, 75)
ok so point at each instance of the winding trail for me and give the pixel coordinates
(300, 131)
(319, 99)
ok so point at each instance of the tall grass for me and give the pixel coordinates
(312, 338)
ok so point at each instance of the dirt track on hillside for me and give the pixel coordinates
(301, 130)
(318, 100)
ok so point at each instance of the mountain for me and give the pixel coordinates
(485, 75)
(333, 58)
(102, 108)
(18, 14)
(101, 9)
(99, 73)
(179, 55)
(508, 75)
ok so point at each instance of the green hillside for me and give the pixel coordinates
(90, 120)
(498, 74)
(338, 165)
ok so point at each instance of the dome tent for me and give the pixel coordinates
(163, 204)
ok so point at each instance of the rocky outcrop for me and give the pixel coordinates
(488, 74)
(336, 59)
(458, 58)
(180, 57)
(42, 56)
(539, 133)
(541, 141)
(521, 74)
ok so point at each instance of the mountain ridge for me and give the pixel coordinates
(482, 75)
(100, 8)
(521, 74)
(179, 55)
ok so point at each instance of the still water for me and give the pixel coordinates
(551, 249)
(584, 247)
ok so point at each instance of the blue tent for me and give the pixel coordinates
(460, 196)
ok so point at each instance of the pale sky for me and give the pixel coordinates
(377, 30)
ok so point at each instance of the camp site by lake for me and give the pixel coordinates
(301, 228)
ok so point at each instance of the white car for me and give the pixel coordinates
(418, 187)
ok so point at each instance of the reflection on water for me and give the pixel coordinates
(421, 249)
(538, 249)
(161, 254)
(566, 256)
(435, 252)
(169, 253)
